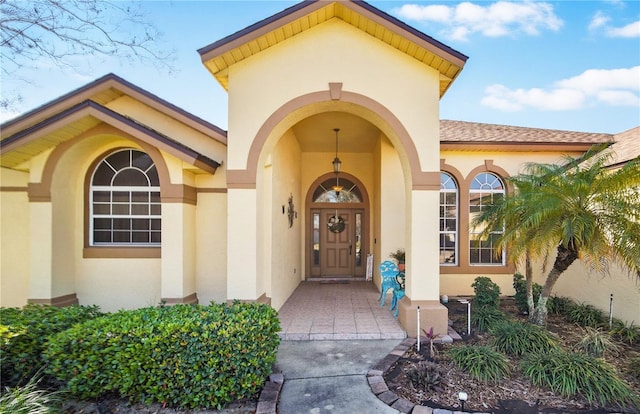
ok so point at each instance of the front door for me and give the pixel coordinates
(337, 246)
(337, 255)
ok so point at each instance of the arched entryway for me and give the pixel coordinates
(337, 231)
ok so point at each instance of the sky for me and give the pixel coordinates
(569, 65)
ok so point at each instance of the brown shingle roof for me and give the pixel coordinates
(626, 146)
(473, 132)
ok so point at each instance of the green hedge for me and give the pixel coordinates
(185, 356)
(24, 332)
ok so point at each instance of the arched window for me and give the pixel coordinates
(124, 201)
(326, 192)
(486, 188)
(448, 219)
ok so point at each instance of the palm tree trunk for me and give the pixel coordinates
(529, 280)
(565, 257)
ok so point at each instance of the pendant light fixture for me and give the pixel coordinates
(337, 164)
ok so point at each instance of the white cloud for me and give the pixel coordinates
(497, 19)
(613, 87)
(630, 30)
(599, 20)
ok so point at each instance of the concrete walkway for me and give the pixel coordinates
(330, 376)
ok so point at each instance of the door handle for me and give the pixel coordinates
(350, 248)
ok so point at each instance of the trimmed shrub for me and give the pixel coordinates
(586, 315)
(24, 333)
(572, 374)
(487, 293)
(480, 362)
(184, 356)
(519, 338)
(485, 319)
(520, 286)
(596, 343)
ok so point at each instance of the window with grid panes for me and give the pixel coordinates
(124, 201)
(486, 188)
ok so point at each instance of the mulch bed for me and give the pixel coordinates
(512, 395)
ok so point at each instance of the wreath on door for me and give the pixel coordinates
(336, 224)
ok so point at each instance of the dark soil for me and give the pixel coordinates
(512, 395)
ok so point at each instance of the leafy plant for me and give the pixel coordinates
(430, 337)
(586, 315)
(520, 286)
(185, 356)
(485, 319)
(480, 362)
(398, 254)
(596, 343)
(427, 375)
(629, 333)
(518, 338)
(560, 305)
(24, 334)
(570, 374)
(27, 399)
(487, 293)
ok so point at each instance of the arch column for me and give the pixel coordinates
(242, 244)
(44, 287)
(178, 282)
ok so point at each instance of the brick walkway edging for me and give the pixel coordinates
(381, 390)
(268, 401)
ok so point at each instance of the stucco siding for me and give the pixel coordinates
(14, 235)
(286, 266)
(115, 284)
(211, 247)
(340, 53)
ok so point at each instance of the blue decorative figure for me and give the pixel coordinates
(398, 293)
(388, 271)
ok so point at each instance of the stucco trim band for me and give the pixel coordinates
(188, 300)
(60, 301)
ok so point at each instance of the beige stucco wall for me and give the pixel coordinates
(340, 53)
(14, 239)
(285, 253)
(588, 286)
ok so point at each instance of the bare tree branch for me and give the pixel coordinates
(41, 33)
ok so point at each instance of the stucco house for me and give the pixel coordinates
(113, 196)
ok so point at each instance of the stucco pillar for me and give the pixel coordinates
(242, 244)
(178, 284)
(42, 288)
(423, 267)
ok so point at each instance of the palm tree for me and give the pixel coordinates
(577, 210)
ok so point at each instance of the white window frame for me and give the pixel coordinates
(454, 232)
(485, 189)
(152, 203)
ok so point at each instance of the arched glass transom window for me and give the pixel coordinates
(325, 193)
(486, 188)
(448, 219)
(124, 201)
